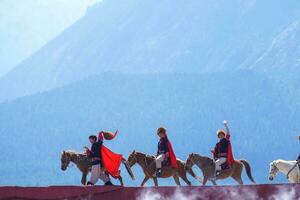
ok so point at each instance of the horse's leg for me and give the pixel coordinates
(192, 173)
(83, 178)
(155, 181)
(204, 180)
(177, 181)
(121, 181)
(237, 174)
(184, 178)
(238, 179)
(144, 181)
(214, 182)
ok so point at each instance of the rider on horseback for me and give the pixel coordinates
(164, 151)
(96, 173)
(222, 152)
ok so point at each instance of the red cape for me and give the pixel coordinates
(173, 159)
(230, 158)
(111, 161)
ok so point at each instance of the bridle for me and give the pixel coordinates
(135, 159)
(67, 162)
(274, 169)
(192, 162)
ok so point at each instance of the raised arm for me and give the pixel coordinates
(227, 130)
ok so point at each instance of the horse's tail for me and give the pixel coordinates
(248, 169)
(128, 169)
(192, 173)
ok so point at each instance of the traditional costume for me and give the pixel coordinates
(104, 160)
(223, 151)
(165, 152)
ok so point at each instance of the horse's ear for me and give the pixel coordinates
(192, 154)
(133, 152)
(63, 152)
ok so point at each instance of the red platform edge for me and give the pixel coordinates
(267, 191)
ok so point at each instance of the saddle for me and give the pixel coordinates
(225, 166)
(166, 163)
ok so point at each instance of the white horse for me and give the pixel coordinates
(289, 168)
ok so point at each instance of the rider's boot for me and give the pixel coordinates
(158, 172)
(90, 183)
(214, 178)
(108, 183)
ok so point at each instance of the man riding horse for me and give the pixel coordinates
(222, 152)
(95, 154)
(104, 161)
(165, 153)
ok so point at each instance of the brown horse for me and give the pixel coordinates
(84, 164)
(207, 166)
(147, 163)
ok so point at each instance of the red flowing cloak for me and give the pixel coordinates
(230, 158)
(111, 161)
(173, 159)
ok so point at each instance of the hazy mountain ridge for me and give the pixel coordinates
(158, 37)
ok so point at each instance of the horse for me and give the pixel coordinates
(147, 163)
(207, 166)
(84, 164)
(289, 168)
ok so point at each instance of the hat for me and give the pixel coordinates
(220, 131)
(161, 130)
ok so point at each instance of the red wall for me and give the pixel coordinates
(285, 191)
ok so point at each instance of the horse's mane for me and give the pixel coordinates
(282, 161)
(205, 159)
(144, 154)
(74, 153)
(202, 157)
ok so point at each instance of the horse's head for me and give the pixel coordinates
(132, 159)
(190, 161)
(273, 170)
(65, 160)
(201, 161)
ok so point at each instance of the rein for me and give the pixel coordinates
(197, 163)
(136, 160)
(74, 159)
(288, 174)
(143, 161)
(146, 161)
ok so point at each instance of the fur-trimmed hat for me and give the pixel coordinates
(220, 131)
(161, 130)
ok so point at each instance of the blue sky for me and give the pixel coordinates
(25, 26)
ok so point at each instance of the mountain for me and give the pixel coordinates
(159, 36)
(28, 25)
(35, 129)
(281, 63)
